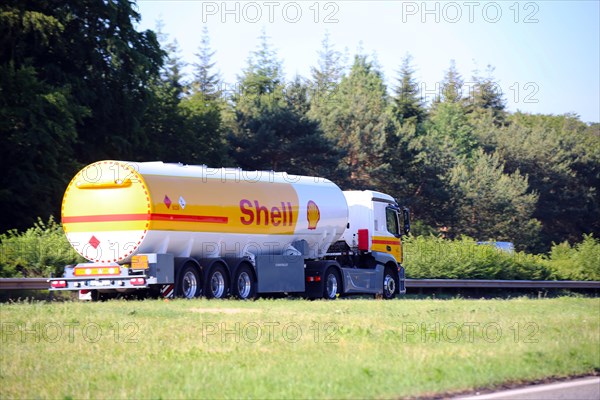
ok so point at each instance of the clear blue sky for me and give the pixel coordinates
(546, 54)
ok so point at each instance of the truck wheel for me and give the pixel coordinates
(189, 283)
(390, 284)
(332, 284)
(244, 286)
(216, 283)
(98, 296)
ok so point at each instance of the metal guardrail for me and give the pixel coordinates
(42, 284)
(506, 284)
(24, 284)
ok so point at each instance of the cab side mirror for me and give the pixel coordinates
(406, 218)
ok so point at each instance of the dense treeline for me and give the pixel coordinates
(78, 83)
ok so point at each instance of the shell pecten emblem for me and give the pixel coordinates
(313, 214)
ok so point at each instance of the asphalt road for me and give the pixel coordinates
(577, 389)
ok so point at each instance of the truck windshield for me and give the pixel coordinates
(391, 216)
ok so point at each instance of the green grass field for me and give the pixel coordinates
(291, 348)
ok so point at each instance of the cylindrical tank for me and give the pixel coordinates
(113, 210)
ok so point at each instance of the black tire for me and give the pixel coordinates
(103, 296)
(390, 283)
(332, 284)
(153, 292)
(97, 296)
(217, 283)
(189, 282)
(244, 284)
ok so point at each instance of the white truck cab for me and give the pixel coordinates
(373, 223)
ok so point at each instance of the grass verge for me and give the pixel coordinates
(289, 348)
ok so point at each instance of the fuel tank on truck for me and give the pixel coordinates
(113, 210)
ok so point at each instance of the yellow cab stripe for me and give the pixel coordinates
(381, 244)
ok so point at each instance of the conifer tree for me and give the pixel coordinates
(270, 128)
(357, 119)
(206, 79)
(408, 104)
(486, 97)
(451, 90)
(329, 72)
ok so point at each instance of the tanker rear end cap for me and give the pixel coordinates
(114, 209)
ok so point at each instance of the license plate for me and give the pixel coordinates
(100, 283)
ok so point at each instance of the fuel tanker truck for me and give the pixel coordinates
(190, 231)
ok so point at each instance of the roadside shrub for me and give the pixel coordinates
(579, 262)
(436, 258)
(38, 252)
(419, 228)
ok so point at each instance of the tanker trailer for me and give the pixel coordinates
(189, 231)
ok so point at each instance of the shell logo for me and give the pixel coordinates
(313, 215)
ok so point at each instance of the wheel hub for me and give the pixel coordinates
(190, 284)
(244, 285)
(217, 284)
(389, 285)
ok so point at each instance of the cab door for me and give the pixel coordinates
(386, 238)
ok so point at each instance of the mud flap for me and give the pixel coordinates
(401, 278)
